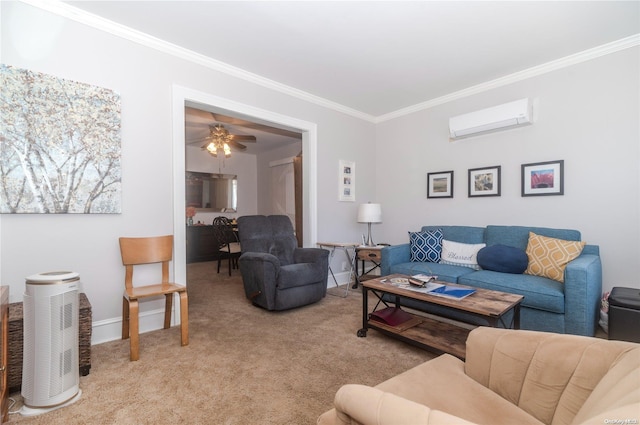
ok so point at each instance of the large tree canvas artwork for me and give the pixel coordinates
(59, 145)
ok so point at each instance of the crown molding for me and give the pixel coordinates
(586, 55)
(119, 30)
(59, 8)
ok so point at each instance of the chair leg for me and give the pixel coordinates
(218, 263)
(168, 306)
(134, 344)
(230, 260)
(125, 318)
(184, 318)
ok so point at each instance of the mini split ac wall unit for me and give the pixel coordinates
(501, 117)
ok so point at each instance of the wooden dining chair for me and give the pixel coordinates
(151, 250)
(226, 240)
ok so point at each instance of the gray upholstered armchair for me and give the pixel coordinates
(277, 275)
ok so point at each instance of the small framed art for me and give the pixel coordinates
(346, 181)
(543, 178)
(440, 185)
(484, 181)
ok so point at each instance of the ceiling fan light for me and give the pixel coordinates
(219, 141)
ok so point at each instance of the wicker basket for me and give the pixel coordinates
(14, 376)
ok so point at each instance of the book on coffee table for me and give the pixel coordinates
(395, 317)
(391, 316)
(452, 292)
(429, 286)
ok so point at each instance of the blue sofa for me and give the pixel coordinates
(548, 305)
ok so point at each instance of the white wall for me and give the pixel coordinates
(144, 77)
(586, 114)
(264, 173)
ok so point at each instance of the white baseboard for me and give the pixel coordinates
(111, 329)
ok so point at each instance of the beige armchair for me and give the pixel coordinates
(509, 377)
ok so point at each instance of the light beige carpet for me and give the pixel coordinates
(243, 365)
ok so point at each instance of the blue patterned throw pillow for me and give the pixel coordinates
(426, 246)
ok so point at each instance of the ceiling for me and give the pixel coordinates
(377, 57)
(372, 59)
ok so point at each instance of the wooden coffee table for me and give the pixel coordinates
(431, 332)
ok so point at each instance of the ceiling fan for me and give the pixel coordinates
(220, 140)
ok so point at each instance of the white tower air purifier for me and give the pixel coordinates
(50, 372)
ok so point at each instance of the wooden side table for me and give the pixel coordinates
(371, 254)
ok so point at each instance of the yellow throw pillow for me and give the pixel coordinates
(548, 257)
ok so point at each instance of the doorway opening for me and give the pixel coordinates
(184, 97)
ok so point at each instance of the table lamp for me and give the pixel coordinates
(369, 213)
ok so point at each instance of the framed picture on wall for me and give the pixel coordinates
(61, 145)
(346, 181)
(543, 178)
(484, 181)
(440, 184)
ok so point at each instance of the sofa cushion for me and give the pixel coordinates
(442, 384)
(294, 275)
(503, 258)
(463, 234)
(617, 394)
(426, 246)
(518, 236)
(539, 293)
(460, 254)
(548, 257)
(554, 377)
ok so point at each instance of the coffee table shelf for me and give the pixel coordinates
(432, 333)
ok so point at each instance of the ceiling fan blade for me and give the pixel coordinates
(199, 139)
(194, 141)
(243, 138)
(235, 145)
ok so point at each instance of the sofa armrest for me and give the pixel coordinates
(259, 272)
(311, 255)
(367, 405)
(582, 293)
(391, 255)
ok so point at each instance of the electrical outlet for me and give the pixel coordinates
(345, 266)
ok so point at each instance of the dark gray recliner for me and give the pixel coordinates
(277, 275)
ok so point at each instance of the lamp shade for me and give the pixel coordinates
(369, 213)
